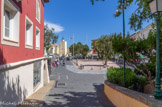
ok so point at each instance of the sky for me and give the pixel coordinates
(84, 20)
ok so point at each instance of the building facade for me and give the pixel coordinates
(143, 34)
(60, 49)
(22, 62)
(54, 49)
(63, 48)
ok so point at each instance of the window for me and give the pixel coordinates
(10, 23)
(37, 38)
(38, 11)
(36, 73)
(28, 33)
(7, 23)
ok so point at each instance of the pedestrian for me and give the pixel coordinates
(63, 63)
(54, 64)
(60, 61)
(57, 62)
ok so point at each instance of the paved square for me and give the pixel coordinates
(81, 90)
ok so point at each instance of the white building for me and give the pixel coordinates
(143, 34)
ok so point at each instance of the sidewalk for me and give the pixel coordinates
(36, 99)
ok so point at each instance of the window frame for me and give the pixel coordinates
(9, 28)
(37, 29)
(38, 19)
(29, 46)
(10, 6)
(37, 74)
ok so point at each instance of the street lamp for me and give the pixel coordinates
(118, 11)
(156, 8)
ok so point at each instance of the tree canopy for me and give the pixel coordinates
(139, 16)
(132, 51)
(49, 37)
(103, 47)
(92, 1)
(79, 48)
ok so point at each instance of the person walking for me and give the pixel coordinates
(63, 62)
(56, 62)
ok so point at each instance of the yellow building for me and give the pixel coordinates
(54, 49)
(68, 51)
(63, 48)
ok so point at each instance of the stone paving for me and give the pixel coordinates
(76, 89)
(96, 65)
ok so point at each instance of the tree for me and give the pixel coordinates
(132, 50)
(140, 15)
(75, 49)
(103, 46)
(84, 50)
(79, 48)
(152, 45)
(49, 37)
(92, 1)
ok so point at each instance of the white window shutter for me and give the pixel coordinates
(15, 31)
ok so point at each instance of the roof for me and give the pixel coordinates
(135, 35)
(95, 40)
(132, 35)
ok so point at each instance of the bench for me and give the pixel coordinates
(82, 66)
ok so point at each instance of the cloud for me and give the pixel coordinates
(58, 28)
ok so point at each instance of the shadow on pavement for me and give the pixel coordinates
(81, 99)
(31, 103)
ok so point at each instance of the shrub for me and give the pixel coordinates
(150, 66)
(140, 83)
(132, 81)
(115, 75)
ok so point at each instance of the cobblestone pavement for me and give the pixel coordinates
(76, 89)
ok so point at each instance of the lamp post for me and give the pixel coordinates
(117, 11)
(156, 8)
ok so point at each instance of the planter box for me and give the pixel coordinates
(123, 97)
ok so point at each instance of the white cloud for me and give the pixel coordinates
(58, 28)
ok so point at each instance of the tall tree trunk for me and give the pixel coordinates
(147, 75)
(150, 80)
(151, 83)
